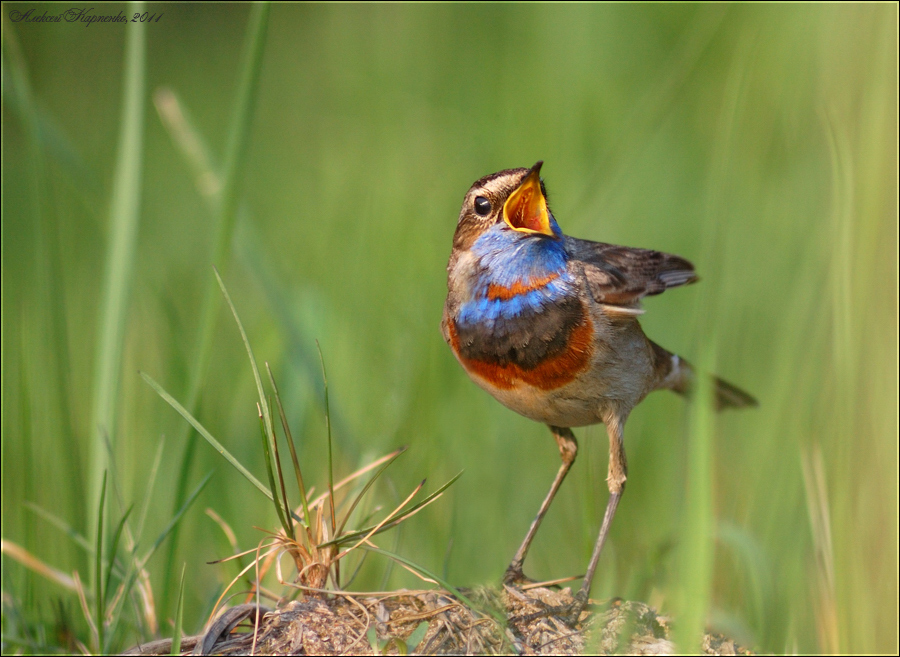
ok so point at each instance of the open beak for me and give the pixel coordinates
(526, 208)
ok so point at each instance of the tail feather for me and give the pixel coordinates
(730, 396)
(679, 375)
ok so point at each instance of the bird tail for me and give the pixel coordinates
(679, 375)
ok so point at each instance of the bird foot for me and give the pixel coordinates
(515, 577)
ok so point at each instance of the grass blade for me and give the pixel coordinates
(62, 525)
(284, 498)
(290, 441)
(353, 476)
(267, 428)
(337, 564)
(35, 565)
(696, 549)
(264, 406)
(328, 427)
(120, 256)
(372, 636)
(174, 521)
(85, 609)
(179, 613)
(114, 618)
(825, 602)
(113, 549)
(151, 484)
(267, 459)
(354, 535)
(366, 488)
(414, 639)
(382, 523)
(206, 435)
(241, 119)
(99, 601)
(188, 141)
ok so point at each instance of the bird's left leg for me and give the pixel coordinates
(568, 449)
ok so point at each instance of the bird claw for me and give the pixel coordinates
(570, 613)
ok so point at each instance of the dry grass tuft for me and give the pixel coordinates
(436, 623)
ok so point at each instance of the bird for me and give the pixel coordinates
(548, 325)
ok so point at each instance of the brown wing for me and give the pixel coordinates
(622, 275)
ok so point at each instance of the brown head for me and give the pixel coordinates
(515, 196)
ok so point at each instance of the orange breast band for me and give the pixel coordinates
(505, 293)
(554, 372)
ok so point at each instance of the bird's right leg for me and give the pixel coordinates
(568, 449)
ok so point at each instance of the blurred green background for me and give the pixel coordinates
(760, 142)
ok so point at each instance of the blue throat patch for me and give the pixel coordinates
(511, 259)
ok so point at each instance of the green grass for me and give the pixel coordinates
(758, 142)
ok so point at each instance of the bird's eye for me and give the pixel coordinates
(482, 206)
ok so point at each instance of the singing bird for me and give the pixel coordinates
(548, 325)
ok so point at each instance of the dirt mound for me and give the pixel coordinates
(511, 621)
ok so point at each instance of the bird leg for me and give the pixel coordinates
(568, 449)
(618, 469)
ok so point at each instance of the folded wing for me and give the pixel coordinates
(622, 275)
